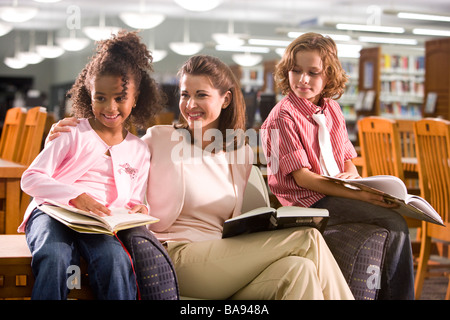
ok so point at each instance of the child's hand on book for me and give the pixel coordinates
(87, 203)
(139, 208)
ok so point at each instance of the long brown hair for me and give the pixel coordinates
(222, 79)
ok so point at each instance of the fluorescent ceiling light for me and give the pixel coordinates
(242, 49)
(348, 50)
(404, 41)
(430, 32)
(369, 28)
(247, 59)
(335, 37)
(198, 5)
(269, 42)
(142, 20)
(422, 16)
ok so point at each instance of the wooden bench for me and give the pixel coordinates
(16, 277)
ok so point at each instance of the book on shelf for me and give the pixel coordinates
(267, 218)
(393, 190)
(86, 222)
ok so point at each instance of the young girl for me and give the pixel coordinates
(97, 165)
(310, 75)
(200, 193)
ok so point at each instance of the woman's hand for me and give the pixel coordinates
(61, 126)
(87, 203)
(139, 208)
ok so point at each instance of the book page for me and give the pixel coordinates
(384, 183)
(254, 212)
(293, 211)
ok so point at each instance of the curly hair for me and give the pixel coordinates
(326, 47)
(223, 79)
(122, 55)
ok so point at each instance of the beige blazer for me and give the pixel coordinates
(166, 184)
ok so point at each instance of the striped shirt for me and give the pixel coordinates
(290, 143)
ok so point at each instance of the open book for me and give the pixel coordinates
(266, 218)
(86, 222)
(394, 190)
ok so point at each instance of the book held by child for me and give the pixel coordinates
(86, 222)
(393, 189)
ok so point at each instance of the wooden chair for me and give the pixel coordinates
(11, 134)
(433, 153)
(380, 146)
(31, 140)
(408, 150)
(12, 131)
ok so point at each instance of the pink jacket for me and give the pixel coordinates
(166, 187)
(66, 159)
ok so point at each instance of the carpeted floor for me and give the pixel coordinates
(434, 288)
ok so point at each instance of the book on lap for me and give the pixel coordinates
(86, 222)
(267, 218)
(393, 190)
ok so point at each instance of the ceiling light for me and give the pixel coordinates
(247, 59)
(15, 63)
(186, 48)
(4, 29)
(348, 50)
(17, 14)
(411, 42)
(269, 42)
(100, 32)
(50, 51)
(72, 43)
(335, 37)
(30, 56)
(198, 5)
(421, 16)
(242, 49)
(430, 32)
(47, 1)
(158, 55)
(369, 28)
(141, 20)
(229, 39)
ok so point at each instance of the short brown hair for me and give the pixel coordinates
(122, 55)
(326, 47)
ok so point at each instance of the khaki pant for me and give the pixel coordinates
(290, 264)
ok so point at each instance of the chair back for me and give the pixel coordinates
(380, 146)
(407, 138)
(433, 155)
(255, 194)
(11, 133)
(31, 139)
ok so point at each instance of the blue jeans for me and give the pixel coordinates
(397, 275)
(55, 247)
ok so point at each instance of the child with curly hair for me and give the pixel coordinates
(311, 77)
(95, 166)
